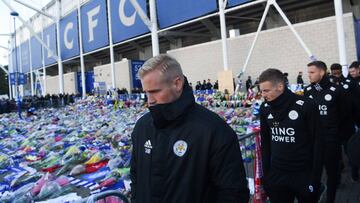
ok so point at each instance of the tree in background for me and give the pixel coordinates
(4, 89)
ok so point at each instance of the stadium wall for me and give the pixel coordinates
(70, 84)
(122, 74)
(275, 48)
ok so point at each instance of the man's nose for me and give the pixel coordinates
(151, 100)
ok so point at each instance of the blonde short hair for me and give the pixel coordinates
(168, 67)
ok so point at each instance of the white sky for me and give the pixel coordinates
(7, 23)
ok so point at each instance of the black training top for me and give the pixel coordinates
(290, 135)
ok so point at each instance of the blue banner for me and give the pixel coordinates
(69, 40)
(89, 81)
(22, 79)
(50, 40)
(36, 53)
(135, 66)
(126, 23)
(237, 2)
(13, 78)
(25, 57)
(94, 25)
(171, 12)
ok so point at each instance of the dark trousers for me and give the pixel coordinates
(332, 153)
(284, 187)
(354, 168)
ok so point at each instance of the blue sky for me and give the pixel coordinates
(6, 21)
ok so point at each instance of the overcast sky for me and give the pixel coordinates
(7, 23)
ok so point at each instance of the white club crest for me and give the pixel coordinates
(293, 115)
(180, 148)
(328, 97)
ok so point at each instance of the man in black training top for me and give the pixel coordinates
(332, 108)
(290, 142)
(347, 125)
(182, 152)
(354, 86)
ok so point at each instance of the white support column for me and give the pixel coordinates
(154, 29)
(60, 65)
(287, 21)
(38, 79)
(10, 89)
(223, 33)
(21, 87)
(12, 46)
(256, 37)
(341, 36)
(32, 32)
(82, 65)
(8, 73)
(31, 70)
(35, 9)
(150, 23)
(112, 60)
(43, 60)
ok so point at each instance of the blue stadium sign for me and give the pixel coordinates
(126, 22)
(94, 25)
(69, 40)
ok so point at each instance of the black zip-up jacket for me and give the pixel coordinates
(347, 124)
(290, 136)
(353, 85)
(332, 107)
(184, 153)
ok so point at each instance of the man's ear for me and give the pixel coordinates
(280, 86)
(323, 73)
(178, 84)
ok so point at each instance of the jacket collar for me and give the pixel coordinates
(324, 83)
(164, 115)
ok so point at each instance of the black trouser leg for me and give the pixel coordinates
(305, 191)
(280, 195)
(276, 187)
(284, 187)
(354, 168)
(331, 163)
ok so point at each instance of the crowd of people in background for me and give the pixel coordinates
(205, 85)
(36, 102)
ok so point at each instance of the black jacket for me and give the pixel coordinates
(332, 107)
(347, 124)
(185, 153)
(290, 136)
(248, 84)
(299, 80)
(353, 85)
(353, 149)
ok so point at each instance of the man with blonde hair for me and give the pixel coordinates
(182, 152)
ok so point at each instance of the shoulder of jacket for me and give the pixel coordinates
(264, 108)
(300, 102)
(146, 118)
(264, 105)
(308, 88)
(204, 115)
(333, 87)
